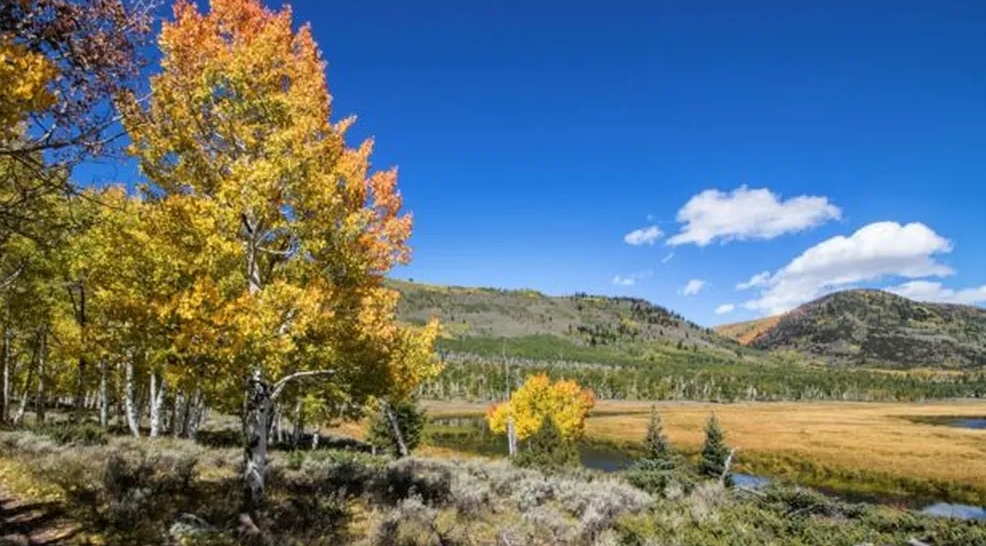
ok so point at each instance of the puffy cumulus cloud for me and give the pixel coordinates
(875, 251)
(643, 236)
(631, 279)
(725, 309)
(745, 214)
(931, 291)
(693, 287)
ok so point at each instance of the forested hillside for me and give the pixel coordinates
(631, 349)
(579, 318)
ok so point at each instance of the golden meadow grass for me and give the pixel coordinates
(860, 446)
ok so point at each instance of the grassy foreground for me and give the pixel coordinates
(129, 492)
(879, 448)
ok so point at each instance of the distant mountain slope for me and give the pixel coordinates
(873, 327)
(588, 320)
(745, 332)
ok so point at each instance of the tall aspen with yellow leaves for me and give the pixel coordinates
(293, 233)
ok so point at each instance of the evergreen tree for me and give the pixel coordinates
(547, 448)
(654, 470)
(410, 418)
(659, 452)
(715, 454)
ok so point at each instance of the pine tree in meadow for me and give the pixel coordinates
(660, 455)
(715, 454)
(653, 472)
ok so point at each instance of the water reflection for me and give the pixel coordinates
(959, 511)
(750, 481)
(604, 459)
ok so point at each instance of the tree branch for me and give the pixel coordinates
(286, 323)
(279, 386)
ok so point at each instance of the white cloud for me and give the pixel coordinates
(725, 308)
(756, 280)
(934, 292)
(875, 251)
(644, 236)
(631, 279)
(693, 287)
(667, 258)
(745, 214)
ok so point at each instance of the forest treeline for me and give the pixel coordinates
(483, 369)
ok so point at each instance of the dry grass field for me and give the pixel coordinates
(862, 446)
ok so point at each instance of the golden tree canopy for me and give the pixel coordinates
(290, 231)
(563, 401)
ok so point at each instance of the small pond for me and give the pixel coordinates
(472, 434)
(974, 423)
(956, 421)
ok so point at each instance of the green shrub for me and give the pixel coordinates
(410, 419)
(296, 458)
(547, 449)
(86, 434)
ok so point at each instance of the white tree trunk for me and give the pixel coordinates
(186, 420)
(130, 407)
(276, 425)
(178, 415)
(157, 404)
(104, 413)
(395, 427)
(511, 437)
(299, 426)
(194, 411)
(19, 416)
(725, 467)
(5, 407)
(151, 398)
(42, 349)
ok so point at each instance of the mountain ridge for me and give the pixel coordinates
(873, 327)
(582, 318)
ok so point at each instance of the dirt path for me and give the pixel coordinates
(25, 523)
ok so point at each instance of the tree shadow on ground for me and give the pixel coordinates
(34, 523)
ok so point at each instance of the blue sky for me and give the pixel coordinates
(534, 137)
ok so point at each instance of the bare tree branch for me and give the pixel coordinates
(725, 467)
(279, 386)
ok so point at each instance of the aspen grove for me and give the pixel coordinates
(242, 274)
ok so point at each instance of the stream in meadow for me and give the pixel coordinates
(472, 434)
